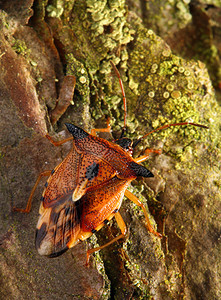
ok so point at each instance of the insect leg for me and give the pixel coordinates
(107, 129)
(28, 206)
(57, 143)
(123, 229)
(146, 155)
(133, 198)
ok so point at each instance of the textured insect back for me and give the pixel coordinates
(60, 211)
(62, 180)
(101, 202)
(108, 152)
(92, 168)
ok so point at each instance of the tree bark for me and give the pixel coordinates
(43, 45)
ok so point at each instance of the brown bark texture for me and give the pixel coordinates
(55, 68)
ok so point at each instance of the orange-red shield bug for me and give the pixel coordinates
(86, 189)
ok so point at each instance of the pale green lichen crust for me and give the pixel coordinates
(169, 90)
(103, 28)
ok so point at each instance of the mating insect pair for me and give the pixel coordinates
(86, 190)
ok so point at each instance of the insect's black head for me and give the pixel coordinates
(126, 144)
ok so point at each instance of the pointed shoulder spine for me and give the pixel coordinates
(140, 170)
(77, 132)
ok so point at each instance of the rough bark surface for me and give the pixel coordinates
(43, 42)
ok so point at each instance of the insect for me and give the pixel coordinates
(86, 189)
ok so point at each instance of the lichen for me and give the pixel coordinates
(76, 68)
(172, 93)
(100, 267)
(55, 11)
(104, 26)
(168, 15)
(20, 47)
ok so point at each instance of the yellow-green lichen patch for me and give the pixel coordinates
(100, 267)
(109, 18)
(168, 90)
(168, 15)
(20, 47)
(76, 68)
(55, 11)
(108, 28)
(102, 26)
(166, 95)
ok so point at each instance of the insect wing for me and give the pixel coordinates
(63, 180)
(59, 221)
(92, 172)
(57, 226)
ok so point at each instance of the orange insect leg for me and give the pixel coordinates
(107, 129)
(57, 143)
(123, 229)
(133, 198)
(28, 206)
(146, 155)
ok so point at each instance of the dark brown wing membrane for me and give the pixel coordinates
(57, 226)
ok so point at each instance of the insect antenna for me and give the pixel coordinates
(124, 99)
(167, 126)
